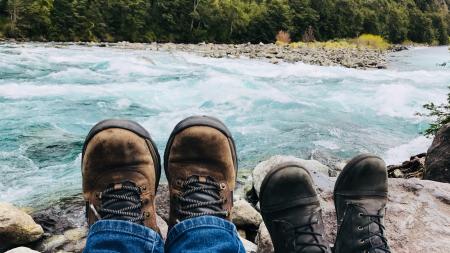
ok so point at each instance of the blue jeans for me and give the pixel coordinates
(202, 234)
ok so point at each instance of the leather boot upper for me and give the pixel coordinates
(120, 176)
(201, 166)
(291, 210)
(360, 197)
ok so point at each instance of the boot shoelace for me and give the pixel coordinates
(300, 230)
(375, 218)
(194, 185)
(126, 193)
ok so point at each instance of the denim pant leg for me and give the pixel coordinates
(204, 234)
(122, 236)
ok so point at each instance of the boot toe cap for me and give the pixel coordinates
(287, 186)
(365, 173)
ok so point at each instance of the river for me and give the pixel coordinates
(50, 97)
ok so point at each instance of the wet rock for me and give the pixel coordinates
(59, 216)
(17, 227)
(412, 168)
(262, 168)
(22, 250)
(437, 164)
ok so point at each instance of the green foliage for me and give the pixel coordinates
(441, 115)
(224, 21)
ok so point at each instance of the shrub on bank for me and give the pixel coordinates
(439, 113)
(372, 41)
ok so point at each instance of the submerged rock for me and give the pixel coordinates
(437, 164)
(17, 227)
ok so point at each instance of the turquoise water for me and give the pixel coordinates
(50, 97)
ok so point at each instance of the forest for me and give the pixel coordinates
(224, 21)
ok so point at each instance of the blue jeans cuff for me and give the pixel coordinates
(124, 227)
(199, 222)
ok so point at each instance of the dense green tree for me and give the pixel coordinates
(397, 29)
(420, 27)
(223, 21)
(302, 17)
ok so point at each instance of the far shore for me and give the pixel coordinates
(351, 57)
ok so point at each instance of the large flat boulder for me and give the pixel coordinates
(417, 219)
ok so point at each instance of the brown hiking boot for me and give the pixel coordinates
(201, 165)
(121, 170)
(360, 197)
(291, 210)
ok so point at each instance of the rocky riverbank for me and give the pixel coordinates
(351, 57)
(423, 205)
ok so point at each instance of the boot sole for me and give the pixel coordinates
(200, 121)
(276, 169)
(133, 127)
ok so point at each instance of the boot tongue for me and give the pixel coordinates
(373, 207)
(203, 197)
(119, 203)
(301, 227)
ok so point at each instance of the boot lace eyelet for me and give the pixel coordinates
(179, 182)
(360, 214)
(223, 186)
(360, 228)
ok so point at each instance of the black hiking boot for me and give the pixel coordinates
(291, 210)
(360, 197)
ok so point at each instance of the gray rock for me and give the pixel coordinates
(248, 246)
(262, 168)
(73, 240)
(243, 215)
(163, 227)
(437, 164)
(22, 250)
(263, 240)
(16, 227)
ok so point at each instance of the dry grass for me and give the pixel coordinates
(364, 41)
(283, 38)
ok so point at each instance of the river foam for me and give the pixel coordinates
(50, 97)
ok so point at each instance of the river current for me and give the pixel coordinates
(50, 97)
